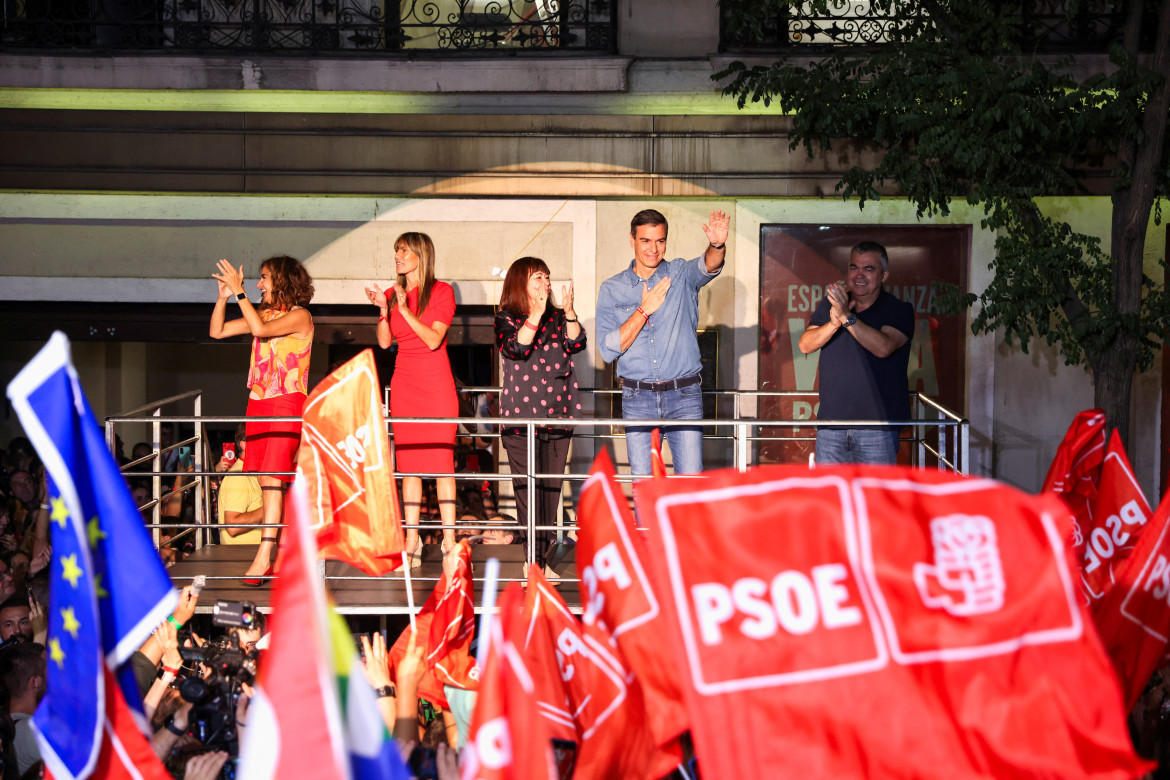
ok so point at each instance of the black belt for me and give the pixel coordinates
(658, 387)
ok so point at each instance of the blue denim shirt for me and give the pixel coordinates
(667, 347)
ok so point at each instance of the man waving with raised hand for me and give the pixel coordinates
(647, 317)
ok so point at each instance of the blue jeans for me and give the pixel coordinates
(857, 445)
(686, 443)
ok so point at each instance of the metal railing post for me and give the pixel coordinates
(920, 434)
(530, 443)
(156, 480)
(202, 484)
(942, 443)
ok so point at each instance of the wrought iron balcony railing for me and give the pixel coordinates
(1046, 26)
(310, 26)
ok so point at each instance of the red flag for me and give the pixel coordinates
(551, 666)
(294, 721)
(911, 624)
(1133, 618)
(622, 622)
(1119, 512)
(345, 457)
(585, 695)
(430, 687)
(453, 625)
(508, 739)
(611, 554)
(124, 753)
(1076, 467)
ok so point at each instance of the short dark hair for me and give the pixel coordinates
(15, 600)
(648, 217)
(499, 519)
(20, 444)
(19, 664)
(869, 247)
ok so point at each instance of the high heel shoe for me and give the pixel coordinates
(250, 582)
(416, 554)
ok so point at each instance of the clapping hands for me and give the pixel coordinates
(231, 279)
(376, 296)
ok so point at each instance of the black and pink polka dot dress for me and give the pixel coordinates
(538, 378)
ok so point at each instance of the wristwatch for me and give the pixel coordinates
(851, 320)
(386, 691)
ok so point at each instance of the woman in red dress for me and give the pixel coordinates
(416, 311)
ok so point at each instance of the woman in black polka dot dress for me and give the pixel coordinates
(537, 341)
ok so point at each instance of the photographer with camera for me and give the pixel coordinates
(200, 689)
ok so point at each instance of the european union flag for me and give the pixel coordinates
(108, 587)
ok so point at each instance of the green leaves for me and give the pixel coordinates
(960, 111)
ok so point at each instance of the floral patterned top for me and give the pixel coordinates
(538, 377)
(280, 365)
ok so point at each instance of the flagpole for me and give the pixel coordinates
(491, 579)
(409, 587)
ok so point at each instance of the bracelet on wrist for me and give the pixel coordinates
(570, 319)
(171, 619)
(643, 312)
(171, 670)
(384, 319)
(528, 325)
(171, 727)
(718, 246)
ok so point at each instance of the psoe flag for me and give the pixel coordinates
(345, 459)
(108, 588)
(912, 624)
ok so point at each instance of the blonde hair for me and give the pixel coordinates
(424, 249)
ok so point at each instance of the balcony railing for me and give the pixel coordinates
(1046, 26)
(310, 26)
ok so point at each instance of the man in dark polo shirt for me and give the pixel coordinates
(864, 334)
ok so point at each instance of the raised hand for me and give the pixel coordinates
(377, 667)
(399, 295)
(412, 667)
(567, 300)
(37, 619)
(231, 277)
(541, 301)
(652, 297)
(185, 609)
(839, 301)
(718, 228)
(376, 296)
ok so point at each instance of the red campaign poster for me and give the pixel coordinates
(799, 261)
